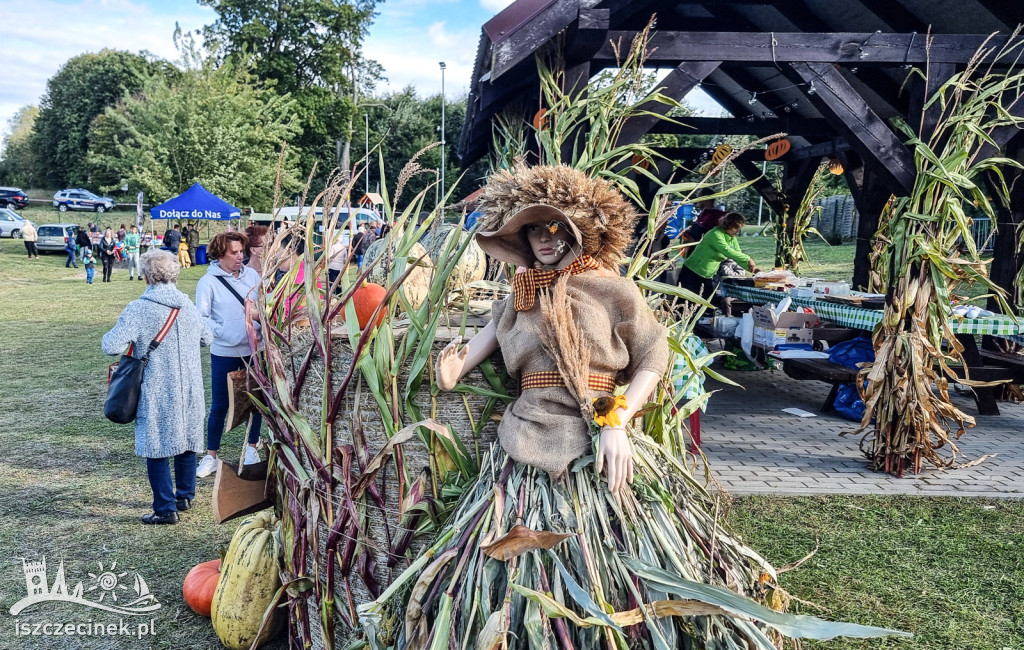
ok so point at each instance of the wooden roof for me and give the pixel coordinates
(757, 59)
(830, 73)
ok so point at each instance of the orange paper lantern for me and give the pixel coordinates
(777, 149)
(640, 161)
(540, 119)
(722, 152)
(835, 166)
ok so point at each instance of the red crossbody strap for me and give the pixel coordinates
(167, 326)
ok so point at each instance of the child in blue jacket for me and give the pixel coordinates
(89, 260)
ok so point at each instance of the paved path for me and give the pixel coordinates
(755, 448)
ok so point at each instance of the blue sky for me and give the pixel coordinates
(409, 38)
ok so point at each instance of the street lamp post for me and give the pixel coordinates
(366, 118)
(443, 143)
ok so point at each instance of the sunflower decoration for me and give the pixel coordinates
(604, 410)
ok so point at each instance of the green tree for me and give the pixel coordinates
(214, 125)
(18, 161)
(309, 49)
(83, 87)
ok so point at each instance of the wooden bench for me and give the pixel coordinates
(995, 366)
(821, 370)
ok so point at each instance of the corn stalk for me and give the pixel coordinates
(793, 226)
(924, 253)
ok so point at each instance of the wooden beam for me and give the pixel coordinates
(847, 111)
(675, 85)
(1001, 135)
(1011, 13)
(744, 164)
(740, 126)
(724, 99)
(576, 79)
(818, 151)
(517, 39)
(869, 196)
(923, 122)
(895, 15)
(1006, 258)
(796, 180)
(861, 49)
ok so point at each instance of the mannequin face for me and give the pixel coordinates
(549, 247)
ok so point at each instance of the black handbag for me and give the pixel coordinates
(125, 379)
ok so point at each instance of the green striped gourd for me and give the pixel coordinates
(248, 581)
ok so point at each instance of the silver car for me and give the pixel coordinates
(54, 236)
(11, 223)
(80, 199)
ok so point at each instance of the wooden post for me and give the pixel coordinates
(870, 195)
(1006, 259)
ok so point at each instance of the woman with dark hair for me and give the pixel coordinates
(221, 297)
(253, 257)
(718, 245)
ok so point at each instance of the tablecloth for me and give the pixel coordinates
(866, 319)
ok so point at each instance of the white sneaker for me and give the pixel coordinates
(207, 466)
(251, 456)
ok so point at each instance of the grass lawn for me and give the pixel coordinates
(950, 570)
(834, 263)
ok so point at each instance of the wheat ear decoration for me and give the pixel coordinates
(564, 343)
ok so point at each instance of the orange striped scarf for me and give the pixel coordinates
(526, 284)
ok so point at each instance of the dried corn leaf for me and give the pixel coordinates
(520, 540)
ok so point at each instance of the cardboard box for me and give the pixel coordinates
(771, 331)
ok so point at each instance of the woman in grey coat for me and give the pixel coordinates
(169, 422)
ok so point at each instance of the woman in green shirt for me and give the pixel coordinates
(131, 250)
(719, 244)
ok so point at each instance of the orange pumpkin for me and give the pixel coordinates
(199, 585)
(365, 300)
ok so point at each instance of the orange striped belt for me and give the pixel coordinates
(551, 379)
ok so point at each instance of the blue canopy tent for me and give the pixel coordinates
(195, 203)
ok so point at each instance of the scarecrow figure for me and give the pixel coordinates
(578, 521)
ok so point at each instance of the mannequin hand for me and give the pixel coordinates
(450, 363)
(614, 454)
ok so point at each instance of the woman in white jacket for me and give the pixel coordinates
(221, 296)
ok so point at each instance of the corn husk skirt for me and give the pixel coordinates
(532, 561)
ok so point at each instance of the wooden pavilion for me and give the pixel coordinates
(829, 74)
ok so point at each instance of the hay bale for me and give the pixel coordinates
(451, 409)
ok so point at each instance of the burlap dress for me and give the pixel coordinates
(486, 575)
(543, 428)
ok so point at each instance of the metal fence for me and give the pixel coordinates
(838, 215)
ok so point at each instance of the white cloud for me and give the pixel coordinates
(410, 54)
(495, 5)
(49, 33)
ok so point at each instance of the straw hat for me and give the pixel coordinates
(599, 218)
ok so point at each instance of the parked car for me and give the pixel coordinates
(80, 199)
(11, 223)
(13, 198)
(54, 236)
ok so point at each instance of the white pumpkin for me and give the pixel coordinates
(471, 267)
(416, 286)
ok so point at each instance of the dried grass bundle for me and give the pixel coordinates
(564, 343)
